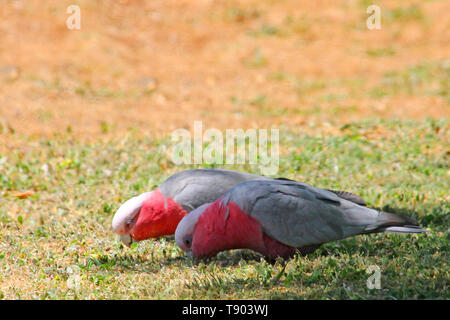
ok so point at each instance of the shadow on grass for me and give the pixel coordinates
(231, 258)
(149, 264)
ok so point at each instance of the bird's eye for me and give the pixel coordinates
(128, 224)
(187, 242)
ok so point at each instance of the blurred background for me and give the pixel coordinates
(154, 66)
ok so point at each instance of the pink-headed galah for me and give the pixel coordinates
(276, 218)
(157, 213)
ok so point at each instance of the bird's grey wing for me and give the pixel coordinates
(195, 194)
(349, 196)
(299, 215)
(341, 194)
(193, 188)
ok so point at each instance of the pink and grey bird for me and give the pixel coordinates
(276, 218)
(157, 213)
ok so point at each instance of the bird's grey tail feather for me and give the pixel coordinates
(389, 222)
(405, 229)
(392, 219)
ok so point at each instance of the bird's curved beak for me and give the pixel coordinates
(127, 240)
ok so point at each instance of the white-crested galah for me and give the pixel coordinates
(157, 213)
(275, 218)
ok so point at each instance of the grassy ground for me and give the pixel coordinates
(86, 117)
(65, 225)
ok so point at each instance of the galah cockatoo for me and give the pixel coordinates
(157, 213)
(275, 218)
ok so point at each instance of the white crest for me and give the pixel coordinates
(127, 211)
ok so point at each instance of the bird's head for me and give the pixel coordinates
(184, 234)
(149, 215)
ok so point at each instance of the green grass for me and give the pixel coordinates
(405, 14)
(382, 52)
(425, 79)
(64, 228)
